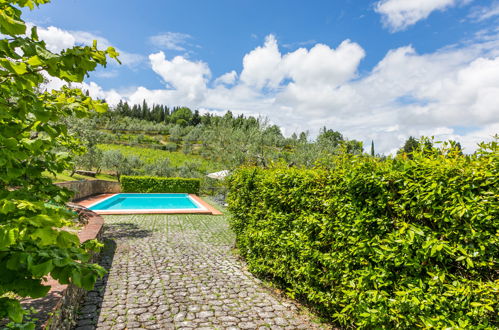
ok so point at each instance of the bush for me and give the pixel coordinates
(35, 139)
(151, 184)
(170, 146)
(395, 243)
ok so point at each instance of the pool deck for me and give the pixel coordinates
(97, 198)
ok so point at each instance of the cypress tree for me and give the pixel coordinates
(136, 112)
(119, 107)
(196, 118)
(161, 113)
(126, 110)
(145, 111)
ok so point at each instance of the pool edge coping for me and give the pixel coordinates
(92, 200)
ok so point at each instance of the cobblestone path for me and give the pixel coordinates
(179, 272)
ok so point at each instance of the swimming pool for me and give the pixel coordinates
(149, 203)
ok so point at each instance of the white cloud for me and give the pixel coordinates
(228, 78)
(399, 14)
(187, 77)
(111, 96)
(171, 40)
(265, 67)
(58, 39)
(484, 13)
(261, 67)
(322, 65)
(449, 94)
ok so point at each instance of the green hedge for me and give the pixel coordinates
(151, 184)
(395, 243)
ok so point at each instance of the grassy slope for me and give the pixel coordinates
(149, 156)
(61, 177)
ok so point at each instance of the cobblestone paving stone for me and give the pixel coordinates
(179, 272)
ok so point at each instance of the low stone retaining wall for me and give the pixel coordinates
(87, 188)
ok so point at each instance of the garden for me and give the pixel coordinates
(331, 236)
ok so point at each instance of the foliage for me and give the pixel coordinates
(412, 145)
(151, 184)
(32, 242)
(371, 243)
(222, 142)
(119, 163)
(150, 156)
(160, 168)
(176, 133)
(235, 144)
(89, 136)
(171, 147)
(115, 123)
(181, 116)
(332, 142)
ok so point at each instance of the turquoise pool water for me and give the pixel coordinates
(147, 202)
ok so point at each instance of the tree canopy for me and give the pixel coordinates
(32, 139)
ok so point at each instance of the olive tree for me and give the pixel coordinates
(119, 163)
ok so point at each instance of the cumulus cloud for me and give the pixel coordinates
(407, 93)
(58, 39)
(228, 78)
(397, 15)
(261, 67)
(265, 67)
(186, 77)
(449, 94)
(171, 40)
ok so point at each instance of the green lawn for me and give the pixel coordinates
(65, 176)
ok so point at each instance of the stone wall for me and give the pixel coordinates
(87, 188)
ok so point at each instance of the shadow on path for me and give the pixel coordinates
(126, 230)
(92, 303)
(89, 312)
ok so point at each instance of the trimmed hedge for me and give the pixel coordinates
(151, 184)
(372, 243)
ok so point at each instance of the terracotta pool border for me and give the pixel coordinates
(98, 198)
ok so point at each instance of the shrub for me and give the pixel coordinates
(170, 146)
(395, 243)
(34, 140)
(151, 184)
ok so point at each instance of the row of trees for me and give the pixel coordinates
(227, 140)
(413, 145)
(159, 113)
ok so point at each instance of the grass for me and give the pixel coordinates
(65, 176)
(149, 156)
(211, 201)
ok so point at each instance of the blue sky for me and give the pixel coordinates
(301, 64)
